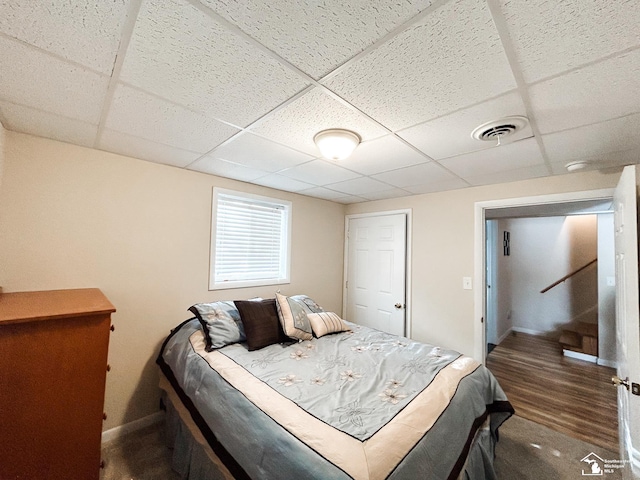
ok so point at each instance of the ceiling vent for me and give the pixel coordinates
(498, 129)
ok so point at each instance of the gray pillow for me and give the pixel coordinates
(220, 322)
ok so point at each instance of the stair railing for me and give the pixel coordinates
(568, 276)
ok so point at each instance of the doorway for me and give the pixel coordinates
(549, 205)
(546, 283)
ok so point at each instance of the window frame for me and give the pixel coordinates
(285, 272)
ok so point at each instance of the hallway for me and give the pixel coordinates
(571, 396)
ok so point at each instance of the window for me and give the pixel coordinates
(250, 240)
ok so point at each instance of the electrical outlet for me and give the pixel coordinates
(635, 388)
(466, 283)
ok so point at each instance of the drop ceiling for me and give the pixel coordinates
(239, 88)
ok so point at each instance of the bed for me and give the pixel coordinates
(323, 399)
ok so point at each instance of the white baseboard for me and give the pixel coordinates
(116, 432)
(580, 356)
(607, 363)
(529, 331)
(504, 335)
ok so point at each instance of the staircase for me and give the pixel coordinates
(581, 338)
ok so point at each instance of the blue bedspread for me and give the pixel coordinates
(360, 404)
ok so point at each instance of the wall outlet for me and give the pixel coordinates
(466, 283)
(611, 281)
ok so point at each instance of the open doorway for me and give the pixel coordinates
(553, 320)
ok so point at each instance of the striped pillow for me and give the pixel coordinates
(323, 323)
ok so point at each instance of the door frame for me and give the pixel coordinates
(480, 295)
(407, 267)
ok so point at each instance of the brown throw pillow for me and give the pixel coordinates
(261, 324)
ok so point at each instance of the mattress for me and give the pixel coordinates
(361, 404)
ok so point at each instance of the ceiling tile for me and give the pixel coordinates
(36, 122)
(386, 194)
(118, 142)
(516, 175)
(350, 199)
(382, 154)
(41, 81)
(146, 116)
(451, 59)
(441, 186)
(317, 36)
(222, 168)
(550, 37)
(319, 173)
(296, 124)
(592, 94)
(322, 192)
(254, 151)
(418, 174)
(602, 162)
(359, 186)
(451, 135)
(282, 183)
(84, 31)
(525, 153)
(179, 53)
(594, 141)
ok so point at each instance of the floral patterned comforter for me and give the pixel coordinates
(360, 404)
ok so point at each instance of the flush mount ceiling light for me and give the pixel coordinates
(575, 166)
(498, 129)
(336, 143)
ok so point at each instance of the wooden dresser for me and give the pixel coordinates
(53, 366)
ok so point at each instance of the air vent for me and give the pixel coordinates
(499, 129)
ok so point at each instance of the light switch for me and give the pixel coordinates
(611, 281)
(466, 283)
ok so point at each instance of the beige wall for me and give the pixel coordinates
(2, 144)
(72, 217)
(443, 250)
(543, 250)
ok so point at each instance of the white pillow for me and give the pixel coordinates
(323, 323)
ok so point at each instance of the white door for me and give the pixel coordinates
(627, 317)
(376, 272)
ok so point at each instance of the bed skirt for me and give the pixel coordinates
(193, 457)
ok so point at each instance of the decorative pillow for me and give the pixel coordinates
(261, 323)
(326, 322)
(221, 323)
(293, 311)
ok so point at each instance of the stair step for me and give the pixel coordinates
(571, 339)
(583, 328)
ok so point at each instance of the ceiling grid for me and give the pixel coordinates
(239, 89)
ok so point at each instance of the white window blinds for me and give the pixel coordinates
(250, 243)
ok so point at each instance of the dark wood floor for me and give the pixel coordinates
(571, 396)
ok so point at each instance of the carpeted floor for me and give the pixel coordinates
(529, 451)
(526, 451)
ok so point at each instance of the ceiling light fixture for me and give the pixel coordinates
(336, 143)
(575, 166)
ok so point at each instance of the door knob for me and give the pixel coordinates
(398, 305)
(617, 381)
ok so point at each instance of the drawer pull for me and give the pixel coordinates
(112, 328)
(102, 464)
(104, 415)
(108, 367)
